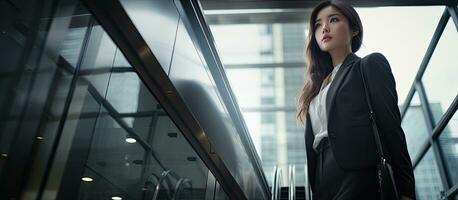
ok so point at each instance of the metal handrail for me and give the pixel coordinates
(153, 178)
(276, 183)
(292, 182)
(308, 190)
(279, 183)
(178, 187)
(158, 186)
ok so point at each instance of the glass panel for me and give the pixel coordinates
(37, 68)
(448, 141)
(195, 82)
(82, 118)
(439, 79)
(278, 140)
(70, 53)
(91, 128)
(427, 180)
(413, 124)
(244, 43)
(147, 16)
(404, 59)
(117, 141)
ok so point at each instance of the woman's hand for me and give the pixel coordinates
(405, 198)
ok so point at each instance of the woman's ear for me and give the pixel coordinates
(354, 32)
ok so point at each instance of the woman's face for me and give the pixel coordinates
(332, 24)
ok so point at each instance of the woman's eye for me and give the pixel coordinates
(335, 19)
(317, 25)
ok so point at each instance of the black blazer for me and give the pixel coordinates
(349, 128)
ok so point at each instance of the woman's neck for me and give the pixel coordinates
(338, 57)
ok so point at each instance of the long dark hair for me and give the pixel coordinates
(319, 62)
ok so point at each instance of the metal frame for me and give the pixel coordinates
(452, 192)
(450, 11)
(429, 52)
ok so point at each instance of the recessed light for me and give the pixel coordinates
(131, 140)
(172, 135)
(191, 158)
(39, 137)
(116, 198)
(4, 155)
(138, 162)
(87, 179)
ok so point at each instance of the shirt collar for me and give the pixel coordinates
(336, 68)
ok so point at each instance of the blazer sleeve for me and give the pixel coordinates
(384, 99)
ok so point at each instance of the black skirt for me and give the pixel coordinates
(335, 183)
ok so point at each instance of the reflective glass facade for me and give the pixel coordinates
(77, 122)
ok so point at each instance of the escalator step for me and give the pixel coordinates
(300, 193)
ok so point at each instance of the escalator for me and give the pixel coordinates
(290, 191)
(194, 90)
(119, 99)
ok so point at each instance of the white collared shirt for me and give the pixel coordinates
(317, 111)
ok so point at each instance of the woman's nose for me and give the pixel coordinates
(325, 28)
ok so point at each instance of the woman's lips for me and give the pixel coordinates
(326, 39)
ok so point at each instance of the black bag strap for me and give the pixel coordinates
(371, 112)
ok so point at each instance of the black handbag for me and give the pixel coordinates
(386, 181)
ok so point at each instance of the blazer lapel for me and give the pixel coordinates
(338, 78)
(309, 136)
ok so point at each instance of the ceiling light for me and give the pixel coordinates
(130, 140)
(116, 198)
(87, 179)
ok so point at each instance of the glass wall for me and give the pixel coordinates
(266, 71)
(80, 124)
(448, 141)
(430, 120)
(427, 180)
(414, 126)
(441, 65)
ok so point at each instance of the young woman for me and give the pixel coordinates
(340, 144)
